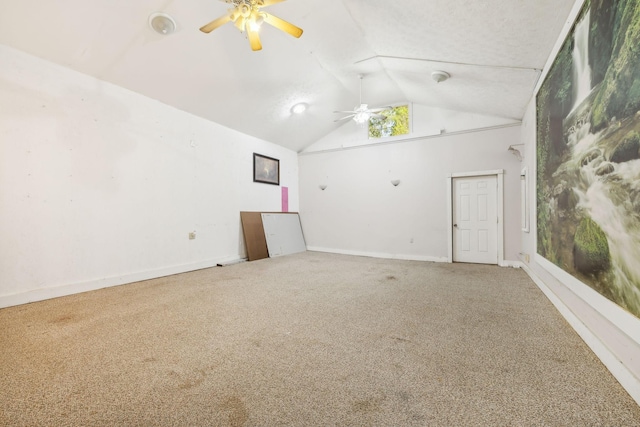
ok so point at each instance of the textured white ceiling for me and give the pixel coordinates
(493, 49)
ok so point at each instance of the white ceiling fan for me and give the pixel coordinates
(362, 113)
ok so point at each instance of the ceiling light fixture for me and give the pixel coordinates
(162, 23)
(440, 76)
(362, 115)
(299, 108)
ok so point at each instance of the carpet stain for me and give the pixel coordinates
(186, 381)
(371, 404)
(404, 396)
(392, 278)
(64, 319)
(238, 413)
(193, 382)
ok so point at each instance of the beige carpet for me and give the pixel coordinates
(306, 340)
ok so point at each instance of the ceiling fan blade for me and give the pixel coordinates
(283, 25)
(344, 112)
(254, 40)
(216, 23)
(344, 118)
(270, 2)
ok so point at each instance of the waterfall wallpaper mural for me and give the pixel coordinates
(588, 153)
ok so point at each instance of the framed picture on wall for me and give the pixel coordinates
(266, 169)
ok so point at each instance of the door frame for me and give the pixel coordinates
(499, 174)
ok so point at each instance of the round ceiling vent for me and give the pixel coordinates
(162, 23)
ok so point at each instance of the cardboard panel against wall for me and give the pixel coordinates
(283, 233)
(254, 238)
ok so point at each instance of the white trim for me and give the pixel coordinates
(524, 200)
(105, 282)
(479, 173)
(377, 254)
(499, 173)
(450, 218)
(623, 375)
(513, 264)
(409, 139)
(622, 319)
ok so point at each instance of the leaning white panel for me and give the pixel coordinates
(283, 233)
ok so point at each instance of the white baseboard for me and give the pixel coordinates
(378, 254)
(513, 264)
(608, 336)
(92, 285)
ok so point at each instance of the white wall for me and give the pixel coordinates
(100, 186)
(360, 212)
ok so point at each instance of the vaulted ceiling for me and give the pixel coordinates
(494, 51)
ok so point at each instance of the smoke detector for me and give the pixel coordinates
(440, 76)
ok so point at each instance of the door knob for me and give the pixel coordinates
(455, 225)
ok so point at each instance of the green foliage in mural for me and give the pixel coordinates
(394, 123)
(619, 96)
(554, 102)
(603, 21)
(628, 149)
(590, 249)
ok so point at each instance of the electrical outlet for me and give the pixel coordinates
(192, 235)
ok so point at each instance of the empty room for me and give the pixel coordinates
(320, 213)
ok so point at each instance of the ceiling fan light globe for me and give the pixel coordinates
(254, 26)
(361, 117)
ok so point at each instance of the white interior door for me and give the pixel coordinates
(475, 219)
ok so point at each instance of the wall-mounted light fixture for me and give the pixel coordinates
(516, 151)
(395, 182)
(323, 186)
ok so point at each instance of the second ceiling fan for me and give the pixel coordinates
(247, 17)
(362, 113)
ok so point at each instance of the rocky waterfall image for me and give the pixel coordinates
(588, 153)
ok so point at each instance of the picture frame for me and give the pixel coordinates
(266, 169)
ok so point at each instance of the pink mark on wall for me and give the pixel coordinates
(285, 199)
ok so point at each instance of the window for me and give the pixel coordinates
(395, 122)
